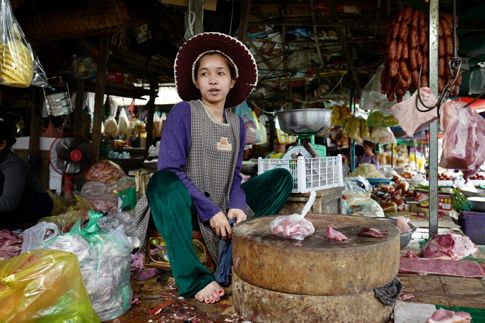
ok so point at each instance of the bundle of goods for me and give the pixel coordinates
(367, 171)
(407, 52)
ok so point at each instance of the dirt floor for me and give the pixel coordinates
(158, 301)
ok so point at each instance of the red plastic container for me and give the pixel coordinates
(474, 226)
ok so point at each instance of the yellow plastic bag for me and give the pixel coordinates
(43, 286)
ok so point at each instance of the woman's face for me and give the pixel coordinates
(213, 78)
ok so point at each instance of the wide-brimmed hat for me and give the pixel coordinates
(237, 53)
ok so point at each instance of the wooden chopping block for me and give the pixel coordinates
(316, 266)
(262, 305)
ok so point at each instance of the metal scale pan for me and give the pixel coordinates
(304, 123)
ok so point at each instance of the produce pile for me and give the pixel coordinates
(367, 171)
(407, 51)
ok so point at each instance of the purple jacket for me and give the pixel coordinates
(174, 149)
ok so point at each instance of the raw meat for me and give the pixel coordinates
(292, 227)
(10, 244)
(449, 246)
(446, 316)
(424, 266)
(410, 119)
(402, 224)
(410, 254)
(332, 234)
(464, 139)
(372, 232)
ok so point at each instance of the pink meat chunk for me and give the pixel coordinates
(332, 234)
(449, 246)
(372, 232)
(447, 267)
(446, 316)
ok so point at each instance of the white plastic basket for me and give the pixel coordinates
(309, 174)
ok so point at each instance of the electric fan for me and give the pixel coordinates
(70, 156)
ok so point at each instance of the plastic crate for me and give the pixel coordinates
(309, 174)
(474, 226)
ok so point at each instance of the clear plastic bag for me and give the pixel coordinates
(19, 66)
(44, 286)
(294, 226)
(104, 257)
(34, 237)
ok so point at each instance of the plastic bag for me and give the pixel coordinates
(294, 226)
(105, 171)
(66, 220)
(19, 66)
(123, 123)
(157, 125)
(246, 114)
(43, 286)
(105, 264)
(383, 136)
(362, 206)
(111, 126)
(34, 237)
(380, 119)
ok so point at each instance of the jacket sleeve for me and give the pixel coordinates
(237, 197)
(14, 183)
(174, 151)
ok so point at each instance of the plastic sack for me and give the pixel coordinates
(105, 171)
(43, 286)
(380, 119)
(66, 220)
(105, 264)
(111, 127)
(123, 123)
(245, 113)
(157, 125)
(362, 206)
(294, 226)
(34, 237)
(19, 66)
(383, 136)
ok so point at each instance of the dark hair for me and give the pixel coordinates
(232, 69)
(6, 133)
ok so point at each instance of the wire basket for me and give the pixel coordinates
(309, 174)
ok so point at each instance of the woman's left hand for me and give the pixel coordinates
(238, 214)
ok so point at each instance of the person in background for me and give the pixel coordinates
(369, 156)
(279, 149)
(22, 199)
(198, 183)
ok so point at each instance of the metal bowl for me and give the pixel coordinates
(478, 203)
(304, 121)
(405, 237)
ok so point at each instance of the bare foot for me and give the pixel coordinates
(211, 293)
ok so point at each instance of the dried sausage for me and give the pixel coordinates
(408, 14)
(405, 51)
(441, 67)
(425, 64)
(394, 29)
(403, 30)
(415, 20)
(391, 51)
(393, 69)
(404, 70)
(413, 39)
(415, 78)
(399, 50)
(421, 30)
(412, 59)
(441, 47)
(441, 84)
(449, 45)
(424, 80)
(419, 57)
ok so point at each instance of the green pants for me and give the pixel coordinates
(174, 217)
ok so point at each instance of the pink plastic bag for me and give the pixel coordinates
(294, 226)
(464, 139)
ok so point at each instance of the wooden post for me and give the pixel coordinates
(78, 108)
(151, 110)
(243, 25)
(99, 95)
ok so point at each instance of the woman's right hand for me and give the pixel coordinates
(220, 225)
